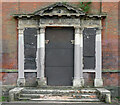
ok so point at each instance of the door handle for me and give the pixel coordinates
(72, 41)
(47, 41)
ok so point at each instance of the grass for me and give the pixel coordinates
(118, 98)
(3, 98)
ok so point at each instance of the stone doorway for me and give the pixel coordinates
(61, 15)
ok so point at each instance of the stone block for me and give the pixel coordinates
(13, 94)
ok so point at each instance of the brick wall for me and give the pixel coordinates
(109, 39)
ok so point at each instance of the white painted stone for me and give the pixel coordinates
(78, 82)
(98, 82)
(108, 98)
(42, 40)
(41, 58)
(98, 37)
(81, 40)
(77, 39)
(21, 79)
(38, 41)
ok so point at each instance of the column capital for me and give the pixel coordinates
(20, 31)
(78, 30)
(98, 32)
(42, 30)
(76, 27)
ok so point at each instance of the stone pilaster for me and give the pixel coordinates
(21, 78)
(78, 58)
(41, 57)
(98, 82)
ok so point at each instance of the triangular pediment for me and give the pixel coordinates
(59, 9)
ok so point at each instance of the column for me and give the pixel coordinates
(41, 57)
(78, 58)
(21, 78)
(98, 82)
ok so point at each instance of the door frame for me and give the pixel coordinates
(78, 47)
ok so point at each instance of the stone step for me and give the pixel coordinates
(75, 96)
(66, 94)
(85, 96)
(59, 98)
(57, 91)
(37, 95)
(38, 91)
(68, 100)
(55, 87)
(88, 91)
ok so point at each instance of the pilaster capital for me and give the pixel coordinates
(42, 30)
(78, 30)
(20, 31)
(98, 32)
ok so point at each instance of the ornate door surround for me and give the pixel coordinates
(60, 15)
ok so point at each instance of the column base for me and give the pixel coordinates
(98, 82)
(41, 81)
(21, 82)
(78, 82)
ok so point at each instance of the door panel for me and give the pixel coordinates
(59, 76)
(59, 56)
(59, 37)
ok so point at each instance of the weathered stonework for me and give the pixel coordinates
(14, 93)
(71, 19)
(104, 95)
(91, 22)
(60, 22)
(25, 23)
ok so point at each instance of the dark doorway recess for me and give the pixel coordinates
(30, 48)
(89, 35)
(59, 60)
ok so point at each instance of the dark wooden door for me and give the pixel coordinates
(59, 56)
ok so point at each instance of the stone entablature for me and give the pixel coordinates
(24, 23)
(88, 23)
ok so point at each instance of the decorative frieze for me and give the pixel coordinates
(23, 23)
(69, 22)
(90, 23)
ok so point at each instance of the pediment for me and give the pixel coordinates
(59, 9)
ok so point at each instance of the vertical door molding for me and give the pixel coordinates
(21, 78)
(41, 57)
(98, 82)
(78, 58)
